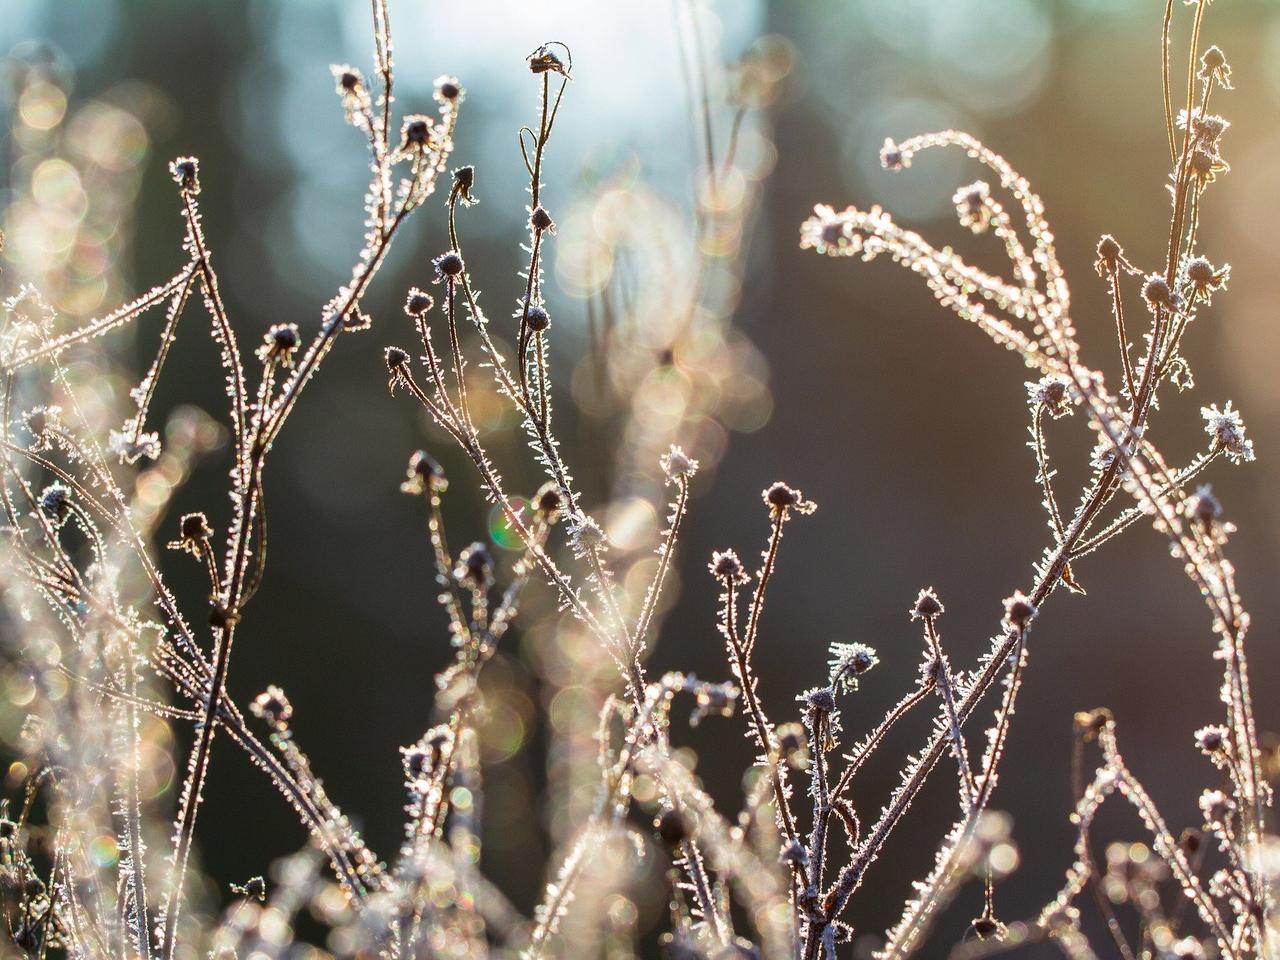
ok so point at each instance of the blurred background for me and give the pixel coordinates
(907, 427)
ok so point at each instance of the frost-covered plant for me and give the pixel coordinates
(96, 626)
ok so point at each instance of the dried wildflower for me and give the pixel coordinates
(194, 533)
(1019, 611)
(1205, 278)
(417, 762)
(818, 700)
(448, 266)
(1206, 164)
(1203, 506)
(1089, 723)
(255, 888)
(927, 605)
(1214, 66)
(892, 157)
(541, 221)
(448, 91)
(1212, 739)
(973, 206)
(725, 565)
(782, 499)
(416, 134)
(55, 503)
(354, 92)
(537, 317)
(676, 464)
(1157, 293)
(848, 662)
(984, 927)
(397, 360)
(546, 60)
(1226, 430)
(186, 174)
(548, 501)
(272, 707)
(1110, 256)
(475, 567)
(586, 536)
(794, 853)
(464, 181)
(1206, 128)
(279, 344)
(1052, 392)
(418, 302)
(424, 474)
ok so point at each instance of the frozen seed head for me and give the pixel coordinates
(984, 928)
(548, 502)
(1214, 66)
(848, 662)
(1110, 256)
(418, 302)
(1053, 393)
(537, 317)
(475, 567)
(541, 221)
(546, 60)
(794, 853)
(186, 174)
(194, 532)
(1090, 723)
(586, 536)
(973, 206)
(464, 181)
(819, 700)
(348, 78)
(725, 565)
(1203, 506)
(892, 157)
(782, 499)
(677, 465)
(448, 265)
(255, 888)
(416, 131)
(1211, 740)
(279, 344)
(927, 605)
(448, 90)
(417, 762)
(424, 474)
(396, 359)
(1019, 611)
(1226, 432)
(1205, 278)
(272, 707)
(1157, 293)
(673, 828)
(195, 526)
(55, 503)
